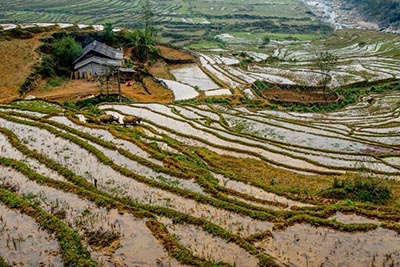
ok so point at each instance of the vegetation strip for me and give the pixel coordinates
(72, 250)
(3, 263)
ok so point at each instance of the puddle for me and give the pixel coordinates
(207, 62)
(218, 92)
(148, 172)
(186, 113)
(26, 112)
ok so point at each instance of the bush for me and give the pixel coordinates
(66, 51)
(364, 189)
(46, 69)
(20, 33)
(54, 82)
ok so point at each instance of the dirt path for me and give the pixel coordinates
(74, 90)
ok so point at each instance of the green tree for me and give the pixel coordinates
(148, 16)
(144, 48)
(66, 50)
(108, 32)
(325, 63)
(266, 40)
(46, 69)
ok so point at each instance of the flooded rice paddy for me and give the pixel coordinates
(212, 214)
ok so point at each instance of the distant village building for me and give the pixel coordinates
(96, 59)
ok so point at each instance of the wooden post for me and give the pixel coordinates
(119, 86)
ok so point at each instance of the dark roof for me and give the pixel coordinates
(99, 61)
(102, 49)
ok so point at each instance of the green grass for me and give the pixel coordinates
(301, 37)
(206, 45)
(39, 106)
(3, 263)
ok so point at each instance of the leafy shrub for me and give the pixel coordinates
(3, 263)
(89, 102)
(20, 33)
(46, 69)
(30, 83)
(365, 189)
(66, 50)
(54, 82)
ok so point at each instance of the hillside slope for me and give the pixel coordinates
(385, 12)
(18, 57)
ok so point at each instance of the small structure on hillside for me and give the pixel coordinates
(97, 58)
(127, 74)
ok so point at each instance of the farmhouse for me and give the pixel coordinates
(97, 58)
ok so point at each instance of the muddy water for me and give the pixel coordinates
(194, 76)
(352, 218)
(181, 91)
(24, 243)
(107, 136)
(85, 164)
(193, 142)
(256, 192)
(185, 128)
(204, 113)
(303, 136)
(207, 246)
(138, 247)
(148, 172)
(36, 114)
(8, 151)
(186, 113)
(304, 245)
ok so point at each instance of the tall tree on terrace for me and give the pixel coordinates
(143, 40)
(325, 62)
(109, 33)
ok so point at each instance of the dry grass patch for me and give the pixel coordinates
(17, 59)
(260, 173)
(174, 54)
(70, 90)
(160, 69)
(74, 90)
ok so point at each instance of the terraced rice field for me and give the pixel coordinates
(180, 22)
(172, 192)
(363, 57)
